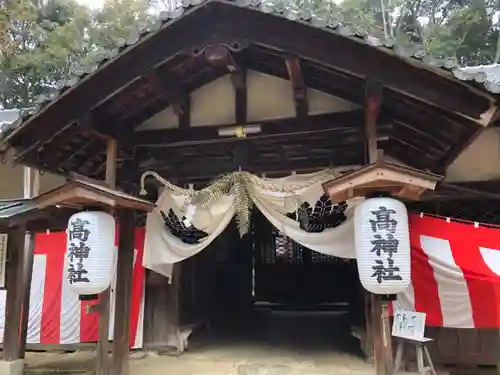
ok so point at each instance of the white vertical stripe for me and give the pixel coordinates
(406, 300)
(3, 300)
(452, 287)
(112, 301)
(36, 299)
(491, 258)
(70, 312)
(139, 334)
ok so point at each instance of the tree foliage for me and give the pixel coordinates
(41, 40)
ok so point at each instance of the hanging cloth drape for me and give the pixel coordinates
(172, 237)
(333, 231)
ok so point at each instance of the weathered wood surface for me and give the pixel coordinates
(104, 298)
(15, 293)
(31, 189)
(121, 332)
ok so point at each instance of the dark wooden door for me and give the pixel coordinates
(287, 272)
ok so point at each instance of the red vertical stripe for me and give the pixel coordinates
(137, 283)
(89, 322)
(53, 246)
(422, 277)
(483, 284)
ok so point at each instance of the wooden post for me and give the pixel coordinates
(31, 189)
(103, 343)
(121, 332)
(15, 294)
(380, 323)
(368, 344)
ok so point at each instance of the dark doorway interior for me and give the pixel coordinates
(267, 289)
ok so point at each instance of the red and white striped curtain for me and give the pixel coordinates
(56, 316)
(455, 273)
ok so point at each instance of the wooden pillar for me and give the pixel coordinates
(15, 293)
(382, 343)
(103, 343)
(121, 332)
(380, 323)
(31, 189)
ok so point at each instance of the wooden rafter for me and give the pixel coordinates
(295, 75)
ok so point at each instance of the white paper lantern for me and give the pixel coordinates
(382, 241)
(90, 252)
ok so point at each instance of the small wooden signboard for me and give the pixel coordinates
(409, 327)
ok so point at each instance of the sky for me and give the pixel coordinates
(92, 3)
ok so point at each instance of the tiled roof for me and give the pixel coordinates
(324, 19)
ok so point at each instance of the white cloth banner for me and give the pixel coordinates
(172, 237)
(162, 248)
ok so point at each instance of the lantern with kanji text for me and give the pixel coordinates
(91, 252)
(382, 242)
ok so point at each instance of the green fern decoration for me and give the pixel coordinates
(236, 184)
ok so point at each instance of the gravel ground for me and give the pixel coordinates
(223, 360)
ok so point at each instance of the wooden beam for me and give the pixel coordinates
(104, 313)
(183, 112)
(239, 80)
(380, 334)
(15, 294)
(373, 102)
(177, 95)
(31, 189)
(299, 88)
(270, 128)
(121, 333)
(211, 168)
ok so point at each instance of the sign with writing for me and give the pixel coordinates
(409, 325)
(3, 257)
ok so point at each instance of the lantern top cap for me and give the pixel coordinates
(78, 193)
(381, 175)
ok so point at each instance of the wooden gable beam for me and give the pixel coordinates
(299, 88)
(176, 94)
(220, 55)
